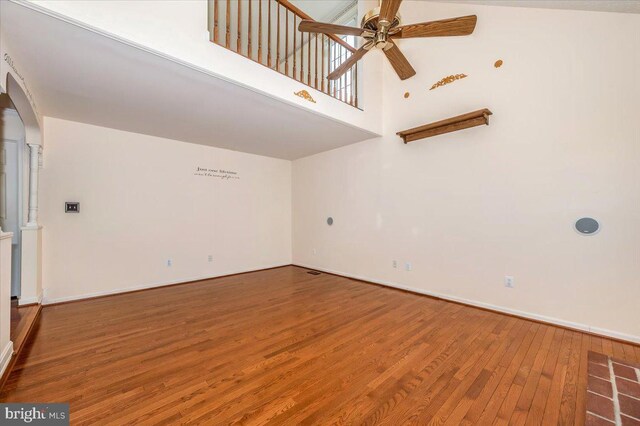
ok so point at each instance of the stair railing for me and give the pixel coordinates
(266, 31)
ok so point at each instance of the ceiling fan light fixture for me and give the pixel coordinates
(381, 40)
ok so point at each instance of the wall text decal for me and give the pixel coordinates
(9, 60)
(447, 80)
(216, 173)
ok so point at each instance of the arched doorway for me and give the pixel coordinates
(21, 170)
(12, 147)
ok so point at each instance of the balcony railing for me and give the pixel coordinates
(266, 31)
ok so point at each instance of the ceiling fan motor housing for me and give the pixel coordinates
(370, 20)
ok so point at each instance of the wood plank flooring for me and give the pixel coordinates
(22, 319)
(285, 347)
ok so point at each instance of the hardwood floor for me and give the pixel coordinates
(285, 347)
(22, 319)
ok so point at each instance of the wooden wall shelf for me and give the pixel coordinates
(464, 121)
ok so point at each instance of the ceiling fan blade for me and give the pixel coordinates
(351, 60)
(399, 62)
(308, 26)
(461, 26)
(389, 10)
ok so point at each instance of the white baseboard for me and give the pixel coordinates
(5, 357)
(501, 309)
(29, 300)
(50, 300)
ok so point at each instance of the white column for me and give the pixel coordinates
(34, 171)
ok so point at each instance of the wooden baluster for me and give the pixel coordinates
(346, 82)
(302, 61)
(260, 31)
(239, 40)
(346, 86)
(227, 22)
(355, 87)
(269, 34)
(295, 31)
(316, 66)
(301, 79)
(278, 40)
(343, 87)
(215, 21)
(329, 55)
(322, 59)
(309, 60)
(286, 42)
(343, 55)
(249, 51)
(337, 80)
(351, 97)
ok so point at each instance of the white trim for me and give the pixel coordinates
(48, 301)
(30, 300)
(5, 358)
(496, 308)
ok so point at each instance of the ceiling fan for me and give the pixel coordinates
(381, 26)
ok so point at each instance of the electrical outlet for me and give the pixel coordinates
(210, 258)
(508, 281)
(407, 266)
(169, 262)
(394, 263)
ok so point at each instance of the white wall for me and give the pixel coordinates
(141, 204)
(470, 207)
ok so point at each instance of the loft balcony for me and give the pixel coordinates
(152, 68)
(266, 31)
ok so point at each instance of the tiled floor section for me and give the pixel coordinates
(613, 396)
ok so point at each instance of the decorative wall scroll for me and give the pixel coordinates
(305, 95)
(216, 173)
(448, 80)
(9, 60)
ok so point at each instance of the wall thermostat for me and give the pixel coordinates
(72, 207)
(587, 226)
